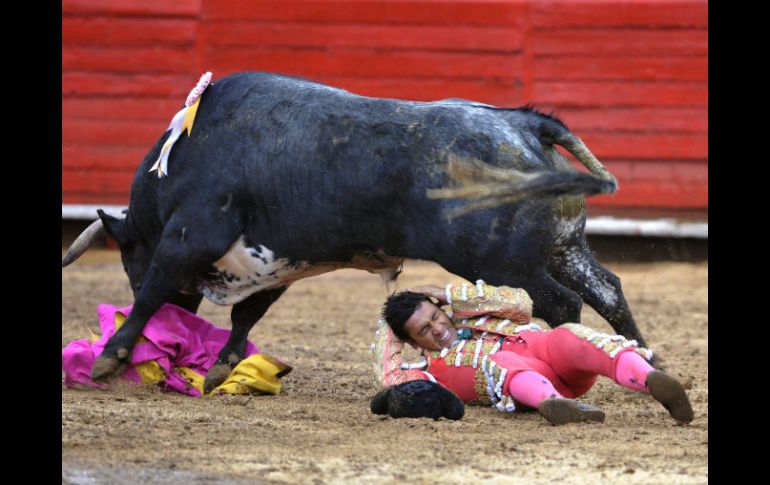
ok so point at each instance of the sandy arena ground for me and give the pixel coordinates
(320, 430)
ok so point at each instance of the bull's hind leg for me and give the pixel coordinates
(243, 315)
(578, 269)
(551, 301)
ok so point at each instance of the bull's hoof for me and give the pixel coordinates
(658, 362)
(217, 375)
(106, 367)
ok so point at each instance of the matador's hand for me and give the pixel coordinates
(418, 399)
(436, 292)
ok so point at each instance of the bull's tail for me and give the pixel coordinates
(557, 133)
(485, 186)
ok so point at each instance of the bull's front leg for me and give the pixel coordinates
(158, 286)
(551, 301)
(187, 301)
(107, 366)
(243, 315)
(177, 261)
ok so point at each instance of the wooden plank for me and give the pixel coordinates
(112, 132)
(431, 12)
(660, 171)
(110, 84)
(647, 146)
(102, 157)
(620, 69)
(139, 8)
(666, 119)
(153, 109)
(129, 59)
(74, 197)
(479, 38)
(657, 195)
(555, 14)
(363, 63)
(500, 92)
(96, 181)
(619, 42)
(686, 173)
(619, 94)
(104, 31)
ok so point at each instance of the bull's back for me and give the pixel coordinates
(316, 163)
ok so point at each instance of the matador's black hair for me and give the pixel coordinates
(397, 310)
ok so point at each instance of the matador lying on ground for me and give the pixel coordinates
(489, 352)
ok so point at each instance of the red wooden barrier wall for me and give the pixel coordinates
(629, 77)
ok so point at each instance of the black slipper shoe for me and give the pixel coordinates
(560, 411)
(670, 393)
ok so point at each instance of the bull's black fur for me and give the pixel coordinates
(552, 115)
(318, 174)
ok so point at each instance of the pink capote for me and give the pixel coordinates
(177, 338)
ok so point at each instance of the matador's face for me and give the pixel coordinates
(430, 328)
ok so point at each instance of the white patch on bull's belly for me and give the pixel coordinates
(243, 271)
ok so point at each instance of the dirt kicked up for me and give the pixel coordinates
(320, 430)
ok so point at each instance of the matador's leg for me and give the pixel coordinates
(579, 354)
(532, 388)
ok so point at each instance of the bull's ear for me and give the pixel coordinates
(115, 227)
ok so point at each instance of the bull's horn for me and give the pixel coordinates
(83, 242)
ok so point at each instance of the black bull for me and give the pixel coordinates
(282, 179)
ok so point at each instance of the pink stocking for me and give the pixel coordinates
(631, 371)
(578, 361)
(530, 388)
